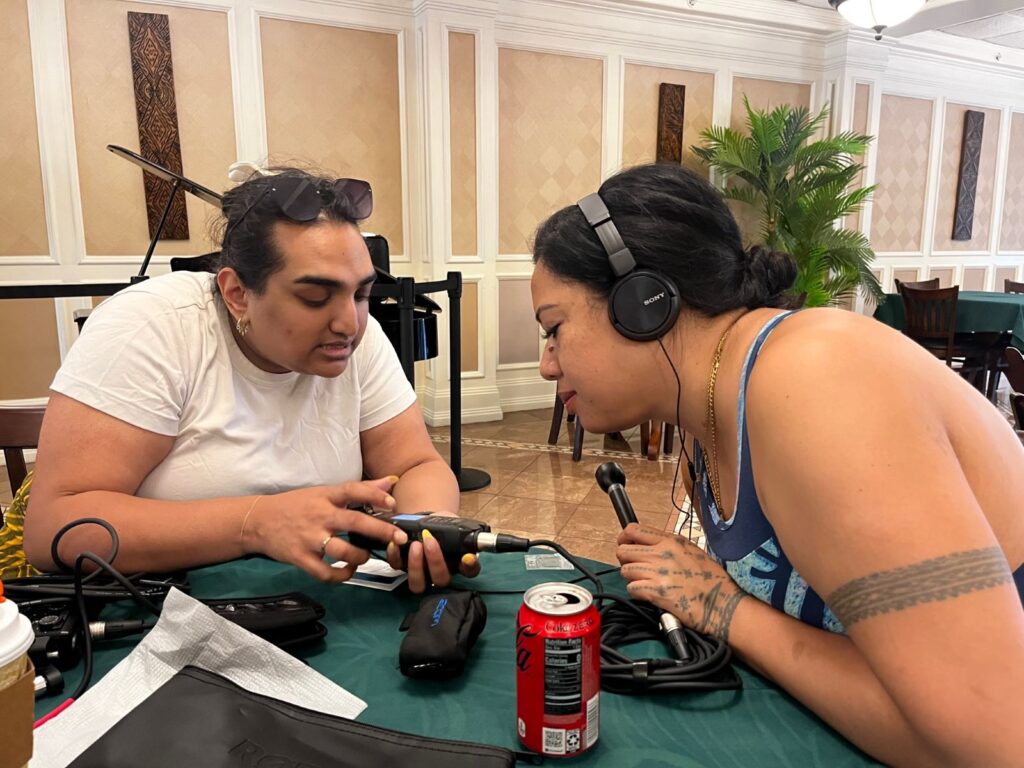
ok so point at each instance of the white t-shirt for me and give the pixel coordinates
(160, 355)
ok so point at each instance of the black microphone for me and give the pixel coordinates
(612, 479)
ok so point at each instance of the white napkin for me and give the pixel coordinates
(187, 633)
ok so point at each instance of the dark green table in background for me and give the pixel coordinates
(759, 726)
(976, 311)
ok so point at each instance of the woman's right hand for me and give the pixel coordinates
(292, 527)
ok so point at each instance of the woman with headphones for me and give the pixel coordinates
(207, 417)
(861, 502)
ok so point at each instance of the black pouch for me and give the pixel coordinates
(284, 620)
(441, 634)
(198, 718)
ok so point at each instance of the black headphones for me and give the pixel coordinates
(644, 303)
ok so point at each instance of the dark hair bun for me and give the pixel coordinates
(770, 275)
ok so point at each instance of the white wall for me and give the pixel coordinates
(752, 38)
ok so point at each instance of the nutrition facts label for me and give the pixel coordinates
(563, 676)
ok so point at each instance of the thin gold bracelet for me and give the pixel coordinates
(241, 533)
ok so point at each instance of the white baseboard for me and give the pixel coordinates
(479, 403)
(525, 393)
(29, 402)
(528, 403)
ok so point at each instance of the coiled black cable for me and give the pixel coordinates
(708, 667)
(81, 579)
(705, 664)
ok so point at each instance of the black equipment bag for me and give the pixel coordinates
(198, 718)
(441, 633)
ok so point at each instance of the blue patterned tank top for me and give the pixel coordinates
(746, 544)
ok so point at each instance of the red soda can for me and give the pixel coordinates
(558, 669)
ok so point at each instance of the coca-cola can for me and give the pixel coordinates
(558, 669)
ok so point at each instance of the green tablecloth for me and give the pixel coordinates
(758, 726)
(976, 311)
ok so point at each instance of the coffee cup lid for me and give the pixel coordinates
(15, 633)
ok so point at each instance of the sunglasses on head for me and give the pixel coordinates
(301, 199)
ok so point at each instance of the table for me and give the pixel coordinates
(758, 726)
(976, 311)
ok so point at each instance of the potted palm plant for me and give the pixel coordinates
(801, 186)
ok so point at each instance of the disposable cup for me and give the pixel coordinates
(16, 689)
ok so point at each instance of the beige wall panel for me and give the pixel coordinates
(766, 95)
(905, 276)
(1003, 274)
(113, 201)
(1012, 238)
(945, 276)
(28, 347)
(518, 330)
(749, 221)
(861, 107)
(470, 326)
(22, 216)
(336, 107)
(462, 120)
(640, 113)
(549, 139)
(974, 278)
(897, 215)
(952, 141)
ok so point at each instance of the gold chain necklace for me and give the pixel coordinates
(713, 477)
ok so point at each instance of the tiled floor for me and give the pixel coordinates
(537, 490)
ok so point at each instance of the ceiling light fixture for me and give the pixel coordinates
(876, 14)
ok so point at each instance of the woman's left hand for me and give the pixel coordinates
(426, 565)
(678, 577)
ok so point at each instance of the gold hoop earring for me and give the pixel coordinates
(242, 326)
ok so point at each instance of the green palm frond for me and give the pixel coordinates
(744, 194)
(802, 184)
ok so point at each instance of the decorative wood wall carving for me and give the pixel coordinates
(967, 185)
(671, 103)
(149, 35)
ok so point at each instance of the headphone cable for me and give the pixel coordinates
(687, 517)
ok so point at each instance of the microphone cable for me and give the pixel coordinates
(699, 662)
(80, 579)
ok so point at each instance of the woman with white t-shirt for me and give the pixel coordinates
(209, 417)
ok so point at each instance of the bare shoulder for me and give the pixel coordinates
(817, 335)
(840, 358)
(829, 384)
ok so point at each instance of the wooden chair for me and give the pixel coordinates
(650, 434)
(556, 426)
(1017, 406)
(19, 429)
(651, 442)
(930, 320)
(921, 285)
(1015, 370)
(1012, 286)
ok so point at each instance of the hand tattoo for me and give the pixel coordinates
(718, 612)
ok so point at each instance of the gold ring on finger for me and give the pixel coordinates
(324, 543)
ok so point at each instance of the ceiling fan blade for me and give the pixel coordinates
(939, 16)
